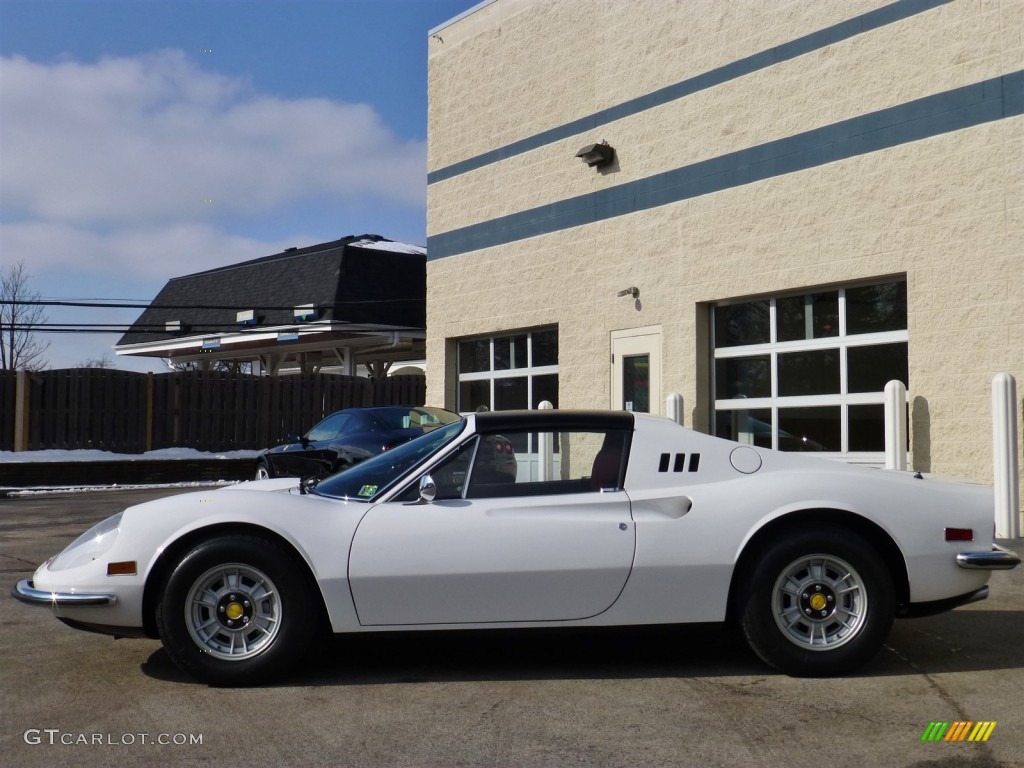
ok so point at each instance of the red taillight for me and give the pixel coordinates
(959, 534)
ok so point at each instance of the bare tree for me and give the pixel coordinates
(230, 366)
(19, 346)
(96, 362)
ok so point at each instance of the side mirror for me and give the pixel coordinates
(428, 490)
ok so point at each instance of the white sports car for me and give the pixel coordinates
(537, 519)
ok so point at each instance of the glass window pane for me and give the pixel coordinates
(740, 324)
(510, 394)
(809, 373)
(810, 429)
(474, 396)
(509, 352)
(867, 427)
(876, 308)
(636, 383)
(495, 463)
(750, 427)
(743, 377)
(545, 388)
(869, 369)
(450, 477)
(329, 428)
(474, 356)
(545, 347)
(814, 316)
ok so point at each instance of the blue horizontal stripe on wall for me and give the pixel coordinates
(844, 30)
(930, 116)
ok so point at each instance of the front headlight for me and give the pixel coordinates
(89, 546)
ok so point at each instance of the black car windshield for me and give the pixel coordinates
(368, 479)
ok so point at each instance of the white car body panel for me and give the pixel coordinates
(661, 551)
(545, 558)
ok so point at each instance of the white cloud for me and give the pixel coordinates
(155, 253)
(146, 139)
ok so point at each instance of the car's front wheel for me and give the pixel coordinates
(236, 610)
(818, 603)
(263, 470)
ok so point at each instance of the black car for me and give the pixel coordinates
(347, 437)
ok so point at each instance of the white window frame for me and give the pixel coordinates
(493, 375)
(843, 342)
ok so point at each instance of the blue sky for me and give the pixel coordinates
(145, 139)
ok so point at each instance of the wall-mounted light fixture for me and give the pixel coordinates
(597, 155)
(304, 313)
(631, 291)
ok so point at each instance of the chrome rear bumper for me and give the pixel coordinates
(998, 559)
(27, 593)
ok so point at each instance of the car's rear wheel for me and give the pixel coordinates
(263, 470)
(236, 610)
(818, 603)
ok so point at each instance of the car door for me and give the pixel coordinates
(518, 551)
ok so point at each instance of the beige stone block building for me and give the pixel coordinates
(806, 199)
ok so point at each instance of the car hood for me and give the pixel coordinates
(273, 484)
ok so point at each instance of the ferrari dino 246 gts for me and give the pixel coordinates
(536, 519)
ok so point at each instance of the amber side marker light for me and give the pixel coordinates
(124, 568)
(959, 534)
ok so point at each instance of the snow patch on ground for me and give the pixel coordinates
(91, 454)
(55, 489)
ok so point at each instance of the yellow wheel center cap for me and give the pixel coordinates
(817, 602)
(234, 611)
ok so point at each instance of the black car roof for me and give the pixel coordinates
(490, 421)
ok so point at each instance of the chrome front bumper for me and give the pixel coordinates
(27, 593)
(998, 559)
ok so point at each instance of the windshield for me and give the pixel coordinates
(425, 419)
(368, 479)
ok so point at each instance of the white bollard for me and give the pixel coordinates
(674, 407)
(1004, 454)
(545, 449)
(896, 426)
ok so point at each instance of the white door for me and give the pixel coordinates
(636, 370)
(539, 558)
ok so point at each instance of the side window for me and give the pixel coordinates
(555, 463)
(449, 477)
(328, 428)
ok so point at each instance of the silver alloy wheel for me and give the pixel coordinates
(233, 612)
(819, 602)
(262, 473)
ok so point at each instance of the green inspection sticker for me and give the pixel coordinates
(368, 490)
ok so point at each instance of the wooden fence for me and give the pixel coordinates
(128, 412)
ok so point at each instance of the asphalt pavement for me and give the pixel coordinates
(635, 697)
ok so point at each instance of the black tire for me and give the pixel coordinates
(263, 470)
(818, 603)
(237, 611)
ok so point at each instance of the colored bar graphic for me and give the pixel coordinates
(982, 731)
(958, 730)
